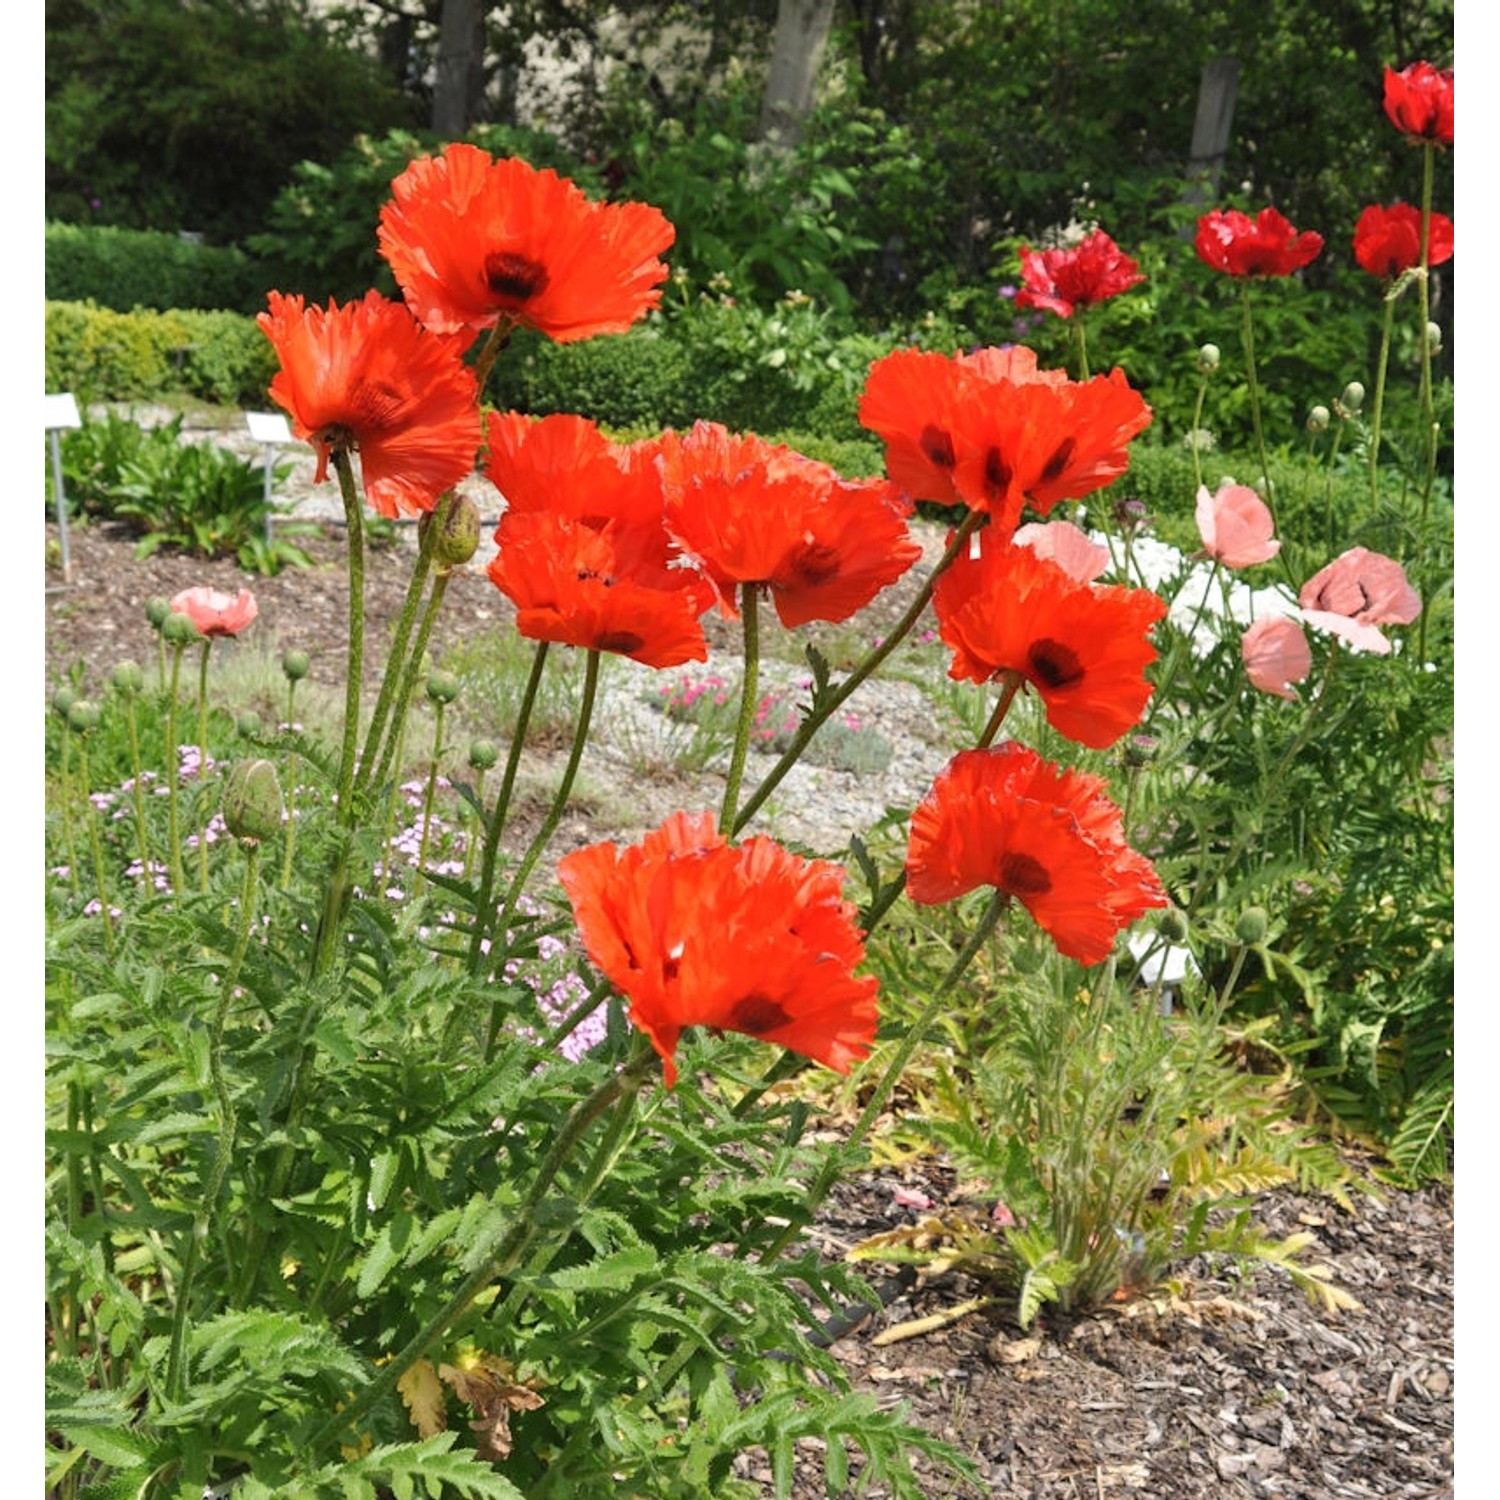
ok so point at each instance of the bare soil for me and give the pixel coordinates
(1237, 1389)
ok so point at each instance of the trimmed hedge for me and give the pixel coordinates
(124, 269)
(103, 355)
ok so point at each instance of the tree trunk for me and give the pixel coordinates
(458, 88)
(796, 51)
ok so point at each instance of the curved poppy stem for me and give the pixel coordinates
(749, 700)
(1012, 680)
(484, 910)
(390, 755)
(203, 758)
(549, 823)
(354, 519)
(138, 791)
(174, 763)
(1379, 402)
(396, 657)
(820, 714)
(432, 776)
(619, 1089)
(498, 339)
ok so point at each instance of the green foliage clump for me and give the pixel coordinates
(103, 355)
(123, 269)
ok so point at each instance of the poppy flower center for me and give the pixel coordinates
(621, 641)
(1021, 875)
(997, 472)
(1053, 664)
(755, 1015)
(938, 446)
(514, 278)
(811, 564)
(1059, 460)
(380, 407)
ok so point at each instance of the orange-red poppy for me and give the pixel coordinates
(215, 613)
(474, 242)
(367, 378)
(1419, 102)
(696, 931)
(1049, 837)
(603, 588)
(1388, 241)
(994, 431)
(756, 513)
(1082, 646)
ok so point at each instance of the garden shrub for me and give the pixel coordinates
(123, 269)
(103, 355)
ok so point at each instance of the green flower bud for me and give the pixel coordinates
(252, 801)
(83, 716)
(157, 610)
(1434, 338)
(458, 540)
(248, 724)
(483, 754)
(295, 664)
(178, 630)
(1172, 924)
(1139, 750)
(1353, 398)
(1208, 359)
(1318, 419)
(442, 687)
(1251, 928)
(127, 678)
(64, 699)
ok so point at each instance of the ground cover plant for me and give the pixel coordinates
(384, 1160)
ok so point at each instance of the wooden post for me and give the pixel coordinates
(1211, 129)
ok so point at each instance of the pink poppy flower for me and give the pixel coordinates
(215, 613)
(1356, 592)
(1236, 526)
(1066, 545)
(1276, 654)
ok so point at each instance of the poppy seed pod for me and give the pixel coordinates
(1434, 338)
(1318, 419)
(295, 664)
(1172, 924)
(442, 687)
(252, 801)
(127, 678)
(63, 700)
(1208, 359)
(457, 539)
(1251, 927)
(483, 754)
(248, 724)
(1353, 398)
(178, 630)
(157, 610)
(83, 716)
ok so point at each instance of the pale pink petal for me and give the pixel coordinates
(1356, 633)
(1276, 654)
(1236, 526)
(1365, 586)
(1063, 543)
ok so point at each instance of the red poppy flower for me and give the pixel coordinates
(368, 378)
(605, 589)
(1356, 592)
(1419, 102)
(752, 512)
(1276, 654)
(1388, 241)
(994, 431)
(1082, 646)
(215, 613)
(1064, 280)
(695, 931)
(1266, 245)
(1051, 838)
(474, 242)
(1236, 525)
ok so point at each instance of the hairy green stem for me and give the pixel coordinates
(174, 827)
(749, 701)
(224, 1146)
(390, 755)
(96, 851)
(138, 792)
(1198, 428)
(544, 833)
(820, 714)
(353, 695)
(1378, 406)
(1429, 422)
(203, 759)
(65, 792)
(432, 776)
